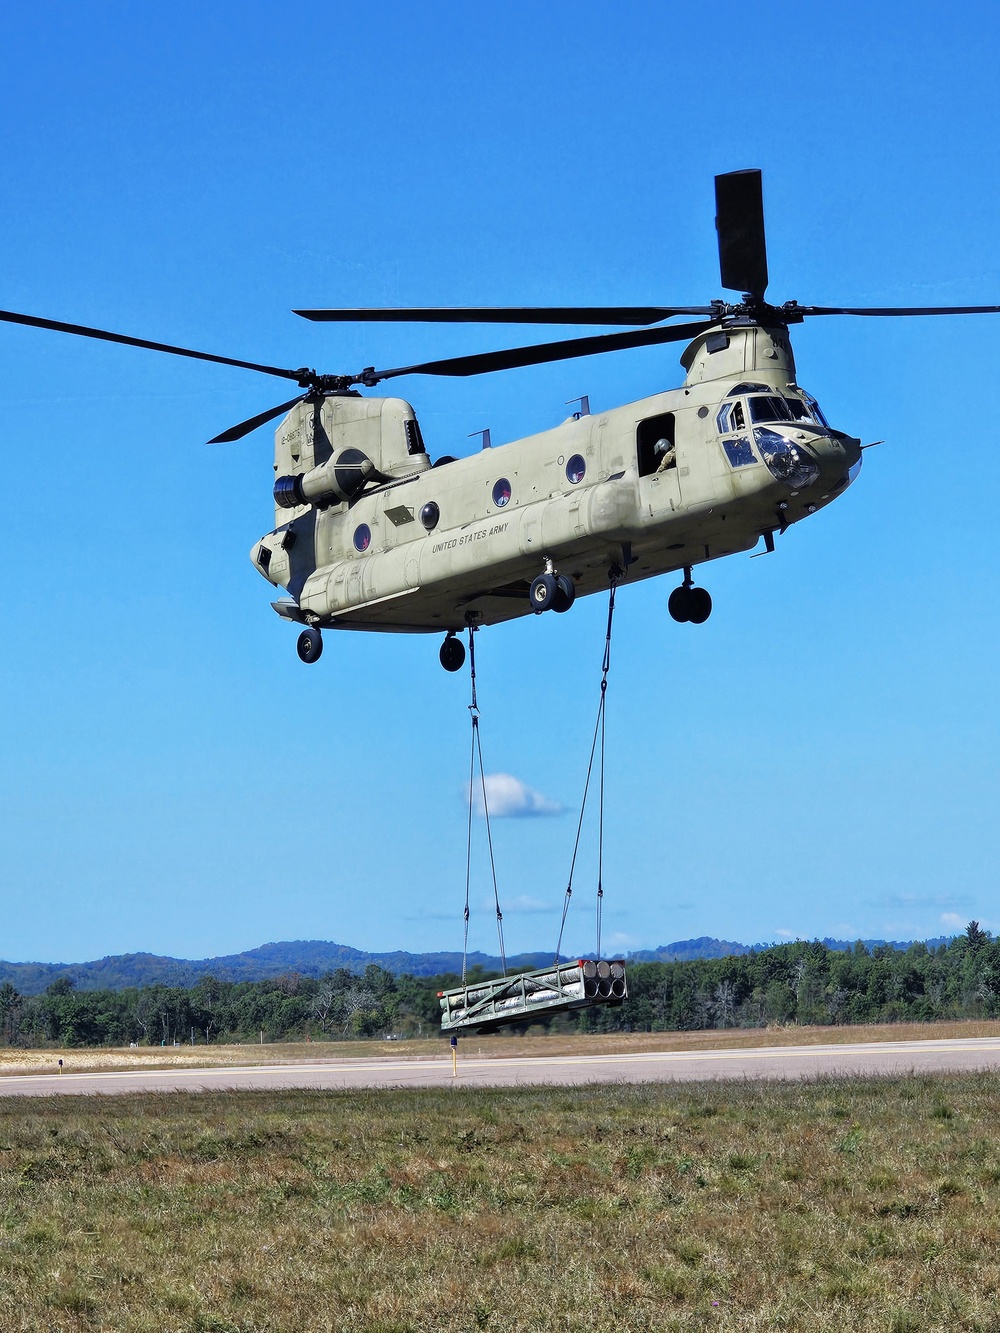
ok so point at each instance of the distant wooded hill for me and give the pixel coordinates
(317, 958)
(683, 951)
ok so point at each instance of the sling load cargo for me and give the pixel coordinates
(486, 1006)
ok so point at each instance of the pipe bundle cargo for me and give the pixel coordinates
(486, 1005)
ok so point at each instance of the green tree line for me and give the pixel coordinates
(801, 983)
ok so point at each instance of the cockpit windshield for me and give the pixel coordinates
(771, 408)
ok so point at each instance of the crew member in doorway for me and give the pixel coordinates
(665, 451)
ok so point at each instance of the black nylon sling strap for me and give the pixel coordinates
(599, 735)
(477, 755)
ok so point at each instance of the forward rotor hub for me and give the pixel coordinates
(311, 379)
(752, 311)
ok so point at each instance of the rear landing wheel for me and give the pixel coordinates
(452, 654)
(310, 645)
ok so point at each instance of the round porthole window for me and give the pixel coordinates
(576, 469)
(501, 493)
(429, 515)
(362, 537)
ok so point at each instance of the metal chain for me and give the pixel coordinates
(599, 734)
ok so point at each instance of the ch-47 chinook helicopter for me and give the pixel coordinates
(371, 535)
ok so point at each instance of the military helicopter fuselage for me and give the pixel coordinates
(370, 535)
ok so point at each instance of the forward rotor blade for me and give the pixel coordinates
(739, 220)
(245, 427)
(624, 314)
(484, 362)
(899, 310)
(82, 330)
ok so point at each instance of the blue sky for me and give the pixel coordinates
(820, 758)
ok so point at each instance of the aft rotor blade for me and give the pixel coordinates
(899, 310)
(245, 427)
(83, 331)
(585, 314)
(739, 220)
(483, 363)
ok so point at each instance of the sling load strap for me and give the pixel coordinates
(599, 735)
(477, 754)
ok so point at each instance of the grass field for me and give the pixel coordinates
(14, 1060)
(834, 1204)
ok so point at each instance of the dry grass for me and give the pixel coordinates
(87, 1059)
(826, 1205)
(15, 1061)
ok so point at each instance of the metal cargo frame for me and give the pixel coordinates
(484, 1006)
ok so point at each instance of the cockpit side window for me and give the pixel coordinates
(731, 421)
(806, 408)
(817, 411)
(655, 444)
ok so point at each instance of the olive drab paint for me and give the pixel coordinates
(370, 535)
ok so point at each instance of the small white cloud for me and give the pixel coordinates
(510, 798)
(523, 905)
(787, 934)
(952, 921)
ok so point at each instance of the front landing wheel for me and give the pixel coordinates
(690, 604)
(565, 593)
(543, 593)
(700, 604)
(679, 603)
(310, 645)
(452, 654)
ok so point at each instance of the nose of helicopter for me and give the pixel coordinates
(814, 463)
(835, 462)
(837, 455)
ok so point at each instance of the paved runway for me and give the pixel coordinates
(774, 1062)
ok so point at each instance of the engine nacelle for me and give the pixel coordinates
(340, 478)
(315, 440)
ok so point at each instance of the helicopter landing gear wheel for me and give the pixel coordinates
(543, 593)
(688, 603)
(679, 604)
(310, 645)
(699, 605)
(452, 654)
(565, 593)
